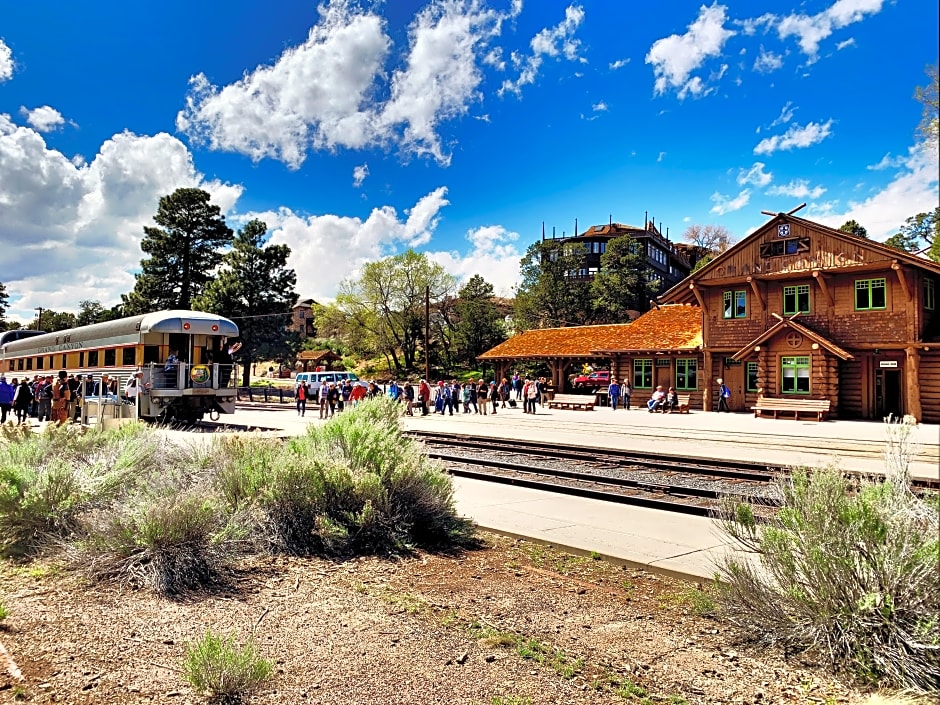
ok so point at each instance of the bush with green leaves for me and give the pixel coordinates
(848, 567)
(217, 667)
(4, 612)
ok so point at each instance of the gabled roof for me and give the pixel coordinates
(822, 341)
(672, 327)
(681, 291)
(316, 355)
(575, 341)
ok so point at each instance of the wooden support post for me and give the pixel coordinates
(699, 298)
(824, 286)
(908, 292)
(709, 375)
(758, 294)
(911, 382)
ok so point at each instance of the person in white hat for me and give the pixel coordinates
(723, 395)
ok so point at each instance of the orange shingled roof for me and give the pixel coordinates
(576, 341)
(673, 327)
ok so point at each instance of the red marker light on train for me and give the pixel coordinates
(185, 326)
(214, 328)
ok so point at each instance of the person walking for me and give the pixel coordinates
(531, 393)
(22, 399)
(613, 393)
(626, 391)
(324, 399)
(424, 394)
(409, 395)
(302, 393)
(481, 397)
(723, 395)
(6, 398)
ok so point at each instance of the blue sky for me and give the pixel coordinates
(358, 129)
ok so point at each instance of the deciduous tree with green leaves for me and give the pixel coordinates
(387, 301)
(625, 281)
(184, 252)
(918, 232)
(255, 288)
(479, 324)
(552, 293)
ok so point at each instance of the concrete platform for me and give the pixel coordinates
(669, 543)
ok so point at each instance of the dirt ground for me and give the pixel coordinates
(512, 623)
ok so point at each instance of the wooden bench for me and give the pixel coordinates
(681, 408)
(819, 407)
(572, 401)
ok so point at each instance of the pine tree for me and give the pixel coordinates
(184, 253)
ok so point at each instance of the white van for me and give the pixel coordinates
(316, 379)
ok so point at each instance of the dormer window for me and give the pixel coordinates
(735, 304)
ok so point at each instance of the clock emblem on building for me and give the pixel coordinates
(783, 230)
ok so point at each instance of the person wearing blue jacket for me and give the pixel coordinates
(6, 398)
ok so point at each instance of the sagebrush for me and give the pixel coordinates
(216, 666)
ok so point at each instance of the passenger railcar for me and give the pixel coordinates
(200, 383)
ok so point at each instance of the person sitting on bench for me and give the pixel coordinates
(671, 402)
(657, 400)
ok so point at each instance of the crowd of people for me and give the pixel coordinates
(58, 398)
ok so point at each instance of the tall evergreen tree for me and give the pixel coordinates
(255, 288)
(854, 228)
(184, 252)
(552, 292)
(479, 324)
(625, 281)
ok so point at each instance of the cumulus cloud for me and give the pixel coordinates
(359, 174)
(599, 107)
(6, 62)
(767, 61)
(755, 176)
(493, 253)
(675, 57)
(798, 188)
(727, 204)
(888, 162)
(323, 94)
(797, 137)
(71, 230)
(553, 42)
(44, 119)
(618, 64)
(811, 30)
(912, 190)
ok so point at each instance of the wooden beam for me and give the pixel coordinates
(912, 383)
(758, 294)
(903, 280)
(698, 297)
(821, 280)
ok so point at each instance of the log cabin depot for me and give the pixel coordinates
(800, 310)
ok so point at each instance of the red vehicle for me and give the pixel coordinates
(601, 378)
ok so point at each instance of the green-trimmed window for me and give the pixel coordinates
(930, 294)
(735, 304)
(643, 374)
(686, 373)
(795, 374)
(796, 299)
(870, 294)
(751, 377)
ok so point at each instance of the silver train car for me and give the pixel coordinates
(200, 382)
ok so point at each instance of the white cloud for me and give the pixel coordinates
(786, 114)
(846, 44)
(888, 162)
(913, 190)
(727, 204)
(618, 64)
(755, 176)
(71, 230)
(44, 119)
(599, 107)
(767, 61)
(322, 93)
(798, 188)
(554, 41)
(6, 62)
(662, 155)
(797, 137)
(811, 30)
(359, 174)
(674, 58)
(492, 254)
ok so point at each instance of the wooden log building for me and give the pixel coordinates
(796, 310)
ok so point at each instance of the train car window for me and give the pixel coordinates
(19, 365)
(64, 365)
(29, 363)
(152, 354)
(128, 357)
(110, 357)
(92, 358)
(52, 362)
(81, 359)
(39, 363)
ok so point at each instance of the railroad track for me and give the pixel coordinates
(679, 484)
(689, 486)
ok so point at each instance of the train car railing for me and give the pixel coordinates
(184, 375)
